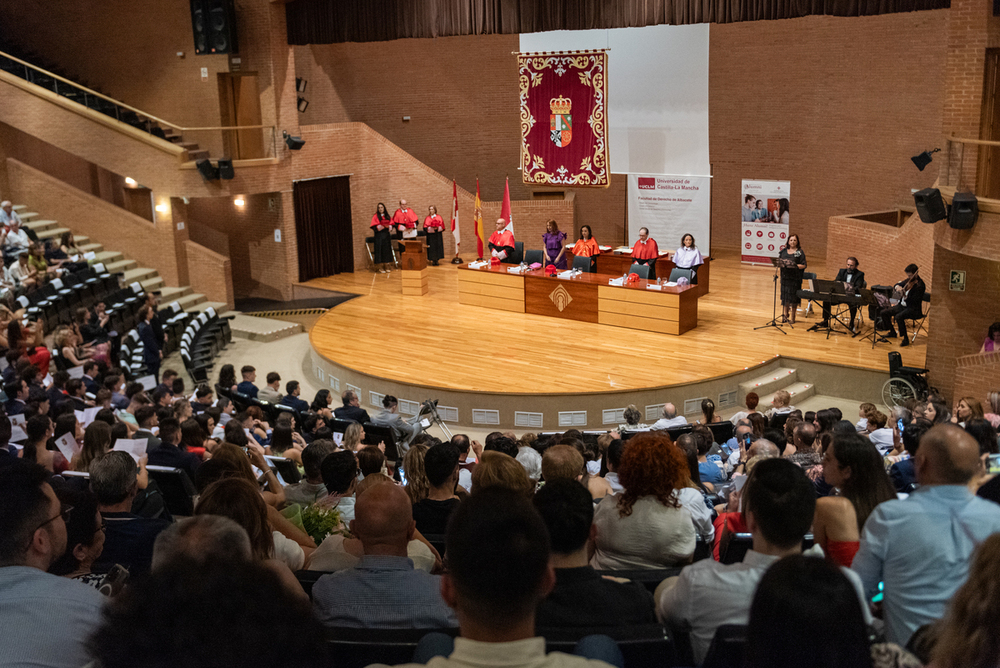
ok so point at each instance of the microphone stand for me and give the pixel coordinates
(773, 322)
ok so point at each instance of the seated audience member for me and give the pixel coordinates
(441, 468)
(17, 396)
(498, 470)
(340, 476)
(613, 459)
(203, 399)
(853, 466)
(692, 496)
(312, 489)
(966, 635)
(47, 619)
(633, 420)
(708, 471)
(271, 393)
(416, 484)
(984, 433)
(498, 532)
(864, 410)
(371, 460)
(321, 404)
(129, 538)
(778, 503)
(921, 546)
(202, 539)
(84, 537)
(403, 430)
(145, 417)
(752, 399)
(169, 452)
(240, 500)
(291, 398)
(878, 433)
(383, 591)
(529, 458)
(351, 410)
(581, 597)
(501, 443)
(806, 610)
(781, 404)
(708, 412)
(645, 526)
(246, 386)
(670, 419)
(468, 453)
(806, 445)
(903, 474)
(212, 613)
(562, 462)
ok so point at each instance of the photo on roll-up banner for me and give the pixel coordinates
(765, 215)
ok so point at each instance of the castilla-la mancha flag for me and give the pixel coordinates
(564, 119)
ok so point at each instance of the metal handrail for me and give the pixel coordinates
(122, 105)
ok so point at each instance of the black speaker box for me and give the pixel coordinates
(207, 169)
(964, 211)
(226, 168)
(930, 205)
(214, 26)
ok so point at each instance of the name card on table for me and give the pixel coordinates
(68, 446)
(134, 446)
(478, 265)
(617, 281)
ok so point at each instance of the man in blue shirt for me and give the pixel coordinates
(46, 619)
(921, 546)
(291, 398)
(247, 387)
(383, 591)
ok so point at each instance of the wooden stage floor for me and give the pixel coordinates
(435, 341)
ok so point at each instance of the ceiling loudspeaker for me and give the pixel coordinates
(930, 205)
(214, 25)
(226, 168)
(208, 171)
(964, 211)
(292, 142)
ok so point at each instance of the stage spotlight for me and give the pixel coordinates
(300, 85)
(226, 168)
(208, 171)
(302, 104)
(923, 159)
(293, 143)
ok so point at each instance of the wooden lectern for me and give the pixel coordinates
(413, 262)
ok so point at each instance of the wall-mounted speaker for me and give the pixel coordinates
(208, 171)
(214, 26)
(226, 168)
(930, 205)
(964, 211)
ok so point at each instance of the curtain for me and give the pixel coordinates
(323, 226)
(333, 21)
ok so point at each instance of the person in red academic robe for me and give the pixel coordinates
(434, 228)
(646, 252)
(382, 254)
(404, 219)
(502, 241)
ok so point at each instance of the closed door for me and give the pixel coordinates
(239, 104)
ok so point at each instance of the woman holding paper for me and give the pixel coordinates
(794, 264)
(380, 225)
(434, 228)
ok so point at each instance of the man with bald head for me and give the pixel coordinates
(670, 418)
(921, 546)
(383, 591)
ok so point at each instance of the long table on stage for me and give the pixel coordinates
(586, 298)
(609, 262)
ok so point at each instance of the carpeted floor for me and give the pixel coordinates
(252, 305)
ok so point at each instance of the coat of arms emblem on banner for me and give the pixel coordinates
(561, 123)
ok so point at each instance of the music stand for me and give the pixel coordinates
(773, 322)
(868, 299)
(833, 288)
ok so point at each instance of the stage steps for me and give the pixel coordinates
(256, 328)
(782, 378)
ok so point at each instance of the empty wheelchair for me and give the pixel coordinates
(905, 382)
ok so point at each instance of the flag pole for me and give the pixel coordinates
(455, 227)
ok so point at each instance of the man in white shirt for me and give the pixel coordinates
(779, 504)
(46, 619)
(13, 238)
(670, 419)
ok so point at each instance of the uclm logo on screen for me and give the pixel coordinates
(647, 183)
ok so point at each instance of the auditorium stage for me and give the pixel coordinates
(434, 347)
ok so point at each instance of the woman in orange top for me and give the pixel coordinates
(586, 246)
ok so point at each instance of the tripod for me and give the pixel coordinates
(773, 322)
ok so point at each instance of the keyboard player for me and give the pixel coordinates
(853, 280)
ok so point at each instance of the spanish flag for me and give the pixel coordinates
(478, 218)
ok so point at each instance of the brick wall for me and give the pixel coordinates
(977, 376)
(883, 250)
(147, 243)
(209, 273)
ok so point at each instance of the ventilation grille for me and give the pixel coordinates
(407, 407)
(573, 418)
(693, 405)
(448, 413)
(320, 374)
(375, 399)
(654, 412)
(728, 399)
(335, 384)
(484, 416)
(613, 416)
(530, 420)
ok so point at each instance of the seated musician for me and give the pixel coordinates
(853, 280)
(502, 241)
(645, 252)
(910, 293)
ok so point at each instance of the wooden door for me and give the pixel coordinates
(239, 104)
(988, 169)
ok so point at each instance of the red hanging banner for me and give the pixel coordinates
(564, 121)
